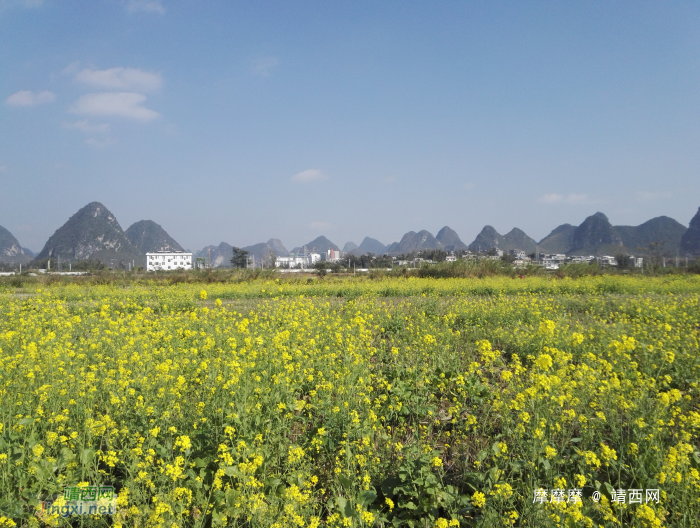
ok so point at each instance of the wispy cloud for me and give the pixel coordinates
(468, 186)
(389, 179)
(319, 226)
(309, 176)
(554, 198)
(86, 126)
(27, 98)
(128, 105)
(263, 65)
(145, 6)
(129, 79)
(100, 143)
(7, 4)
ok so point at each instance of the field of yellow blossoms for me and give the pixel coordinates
(328, 402)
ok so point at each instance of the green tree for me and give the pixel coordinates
(657, 254)
(240, 258)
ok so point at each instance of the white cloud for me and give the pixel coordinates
(100, 143)
(554, 198)
(319, 226)
(117, 104)
(145, 6)
(309, 176)
(129, 79)
(86, 126)
(264, 65)
(27, 98)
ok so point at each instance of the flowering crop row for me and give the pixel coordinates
(405, 403)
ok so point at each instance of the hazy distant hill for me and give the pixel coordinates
(220, 255)
(391, 249)
(596, 232)
(148, 237)
(10, 250)
(265, 251)
(517, 239)
(561, 240)
(319, 245)
(349, 246)
(514, 239)
(371, 245)
(596, 236)
(450, 240)
(93, 232)
(659, 229)
(488, 238)
(412, 242)
(29, 252)
(690, 242)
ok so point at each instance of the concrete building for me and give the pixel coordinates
(333, 255)
(168, 260)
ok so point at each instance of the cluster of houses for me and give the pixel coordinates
(173, 260)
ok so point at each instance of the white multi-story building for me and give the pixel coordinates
(168, 260)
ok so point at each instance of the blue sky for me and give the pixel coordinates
(242, 121)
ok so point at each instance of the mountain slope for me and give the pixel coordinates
(488, 238)
(518, 239)
(10, 250)
(92, 232)
(371, 245)
(450, 239)
(319, 245)
(659, 229)
(278, 247)
(220, 255)
(149, 237)
(412, 242)
(690, 242)
(596, 234)
(265, 252)
(349, 246)
(560, 240)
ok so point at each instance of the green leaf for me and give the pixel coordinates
(86, 456)
(345, 482)
(26, 421)
(367, 497)
(389, 485)
(609, 489)
(230, 471)
(575, 440)
(218, 519)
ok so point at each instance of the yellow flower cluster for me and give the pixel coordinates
(355, 402)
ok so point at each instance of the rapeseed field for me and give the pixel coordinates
(354, 403)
